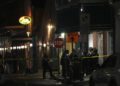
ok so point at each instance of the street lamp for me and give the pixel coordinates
(44, 45)
(62, 35)
(50, 28)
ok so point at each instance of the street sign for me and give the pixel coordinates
(58, 42)
(73, 36)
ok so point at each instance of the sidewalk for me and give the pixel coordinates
(36, 79)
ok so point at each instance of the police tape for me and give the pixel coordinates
(100, 56)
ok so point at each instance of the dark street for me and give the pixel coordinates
(59, 42)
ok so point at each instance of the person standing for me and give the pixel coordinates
(65, 63)
(46, 66)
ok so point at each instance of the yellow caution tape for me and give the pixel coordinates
(101, 56)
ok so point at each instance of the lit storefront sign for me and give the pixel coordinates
(25, 20)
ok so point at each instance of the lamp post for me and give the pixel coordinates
(50, 27)
(63, 35)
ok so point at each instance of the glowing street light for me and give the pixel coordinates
(44, 45)
(62, 35)
(50, 26)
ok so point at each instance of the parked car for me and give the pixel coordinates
(107, 74)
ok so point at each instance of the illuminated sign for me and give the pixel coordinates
(25, 20)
